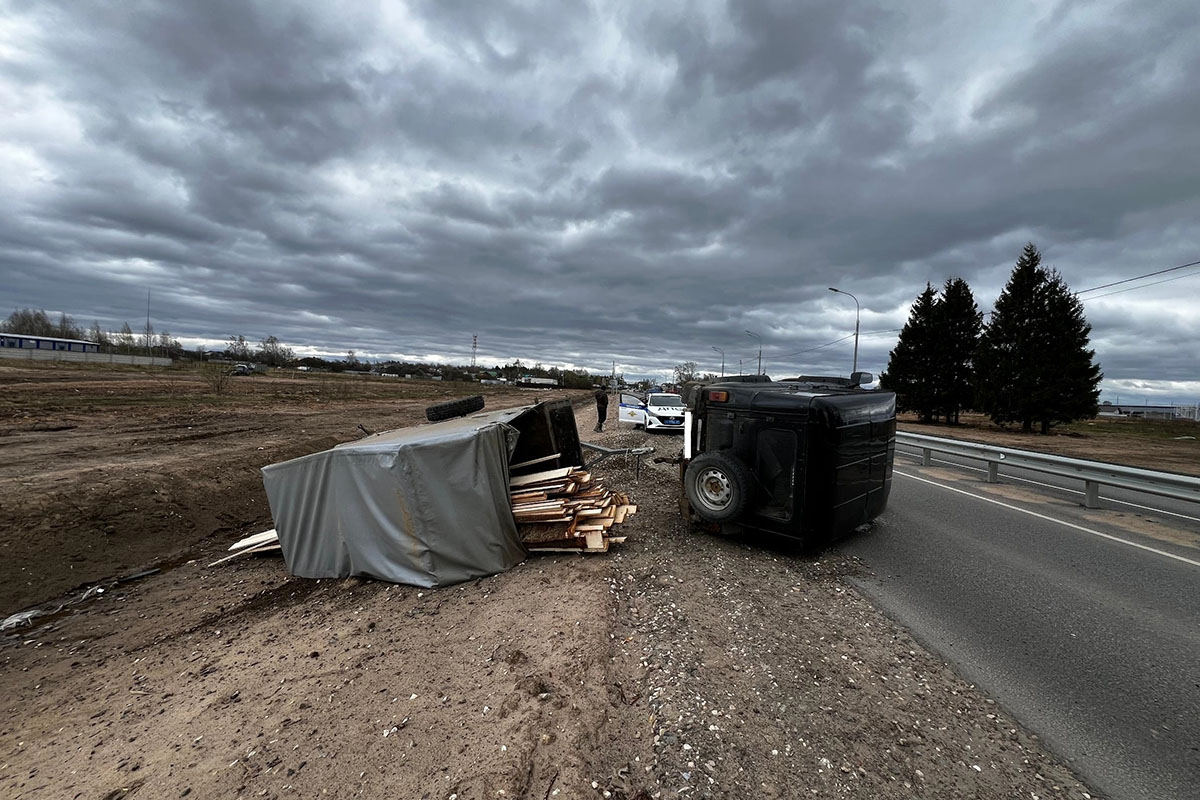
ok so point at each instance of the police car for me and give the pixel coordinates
(660, 411)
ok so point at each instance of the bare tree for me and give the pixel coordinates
(685, 372)
(216, 376)
(148, 337)
(125, 338)
(273, 353)
(238, 349)
(99, 336)
(36, 322)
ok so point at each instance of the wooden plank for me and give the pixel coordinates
(528, 497)
(569, 541)
(255, 540)
(262, 548)
(542, 518)
(546, 488)
(579, 550)
(544, 532)
(559, 504)
(541, 477)
(595, 540)
(533, 461)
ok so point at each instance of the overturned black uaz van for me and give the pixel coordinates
(808, 457)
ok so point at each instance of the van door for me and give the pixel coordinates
(632, 410)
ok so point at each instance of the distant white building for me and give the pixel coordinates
(529, 380)
(26, 342)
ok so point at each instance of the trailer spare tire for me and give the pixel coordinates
(717, 485)
(454, 408)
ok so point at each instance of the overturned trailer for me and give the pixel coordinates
(427, 505)
(808, 458)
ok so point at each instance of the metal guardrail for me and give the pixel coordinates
(1094, 474)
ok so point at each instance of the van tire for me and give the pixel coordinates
(454, 408)
(717, 486)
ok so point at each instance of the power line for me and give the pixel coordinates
(810, 349)
(835, 341)
(1139, 277)
(1143, 286)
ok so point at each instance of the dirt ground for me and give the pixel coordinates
(1168, 445)
(107, 471)
(677, 665)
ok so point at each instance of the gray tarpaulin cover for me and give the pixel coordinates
(426, 505)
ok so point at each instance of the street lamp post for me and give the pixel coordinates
(722, 352)
(856, 316)
(756, 336)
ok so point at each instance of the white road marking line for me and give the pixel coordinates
(1049, 519)
(1105, 498)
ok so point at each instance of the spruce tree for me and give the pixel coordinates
(1033, 362)
(1071, 389)
(911, 372)
(957, 323)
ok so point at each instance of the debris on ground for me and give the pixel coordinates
(265, 542)
(567, 509)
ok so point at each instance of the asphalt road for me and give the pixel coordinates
(1091, 642)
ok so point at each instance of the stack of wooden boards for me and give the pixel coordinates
(566, 510)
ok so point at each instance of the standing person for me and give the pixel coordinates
(601, 409)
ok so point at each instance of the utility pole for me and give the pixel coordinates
(756, 336)
(612, 383)
(474, 348)
(148, 351)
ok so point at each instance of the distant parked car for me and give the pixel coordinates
(660, 411)
(242, 369)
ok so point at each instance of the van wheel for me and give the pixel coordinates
(454, 408)
(717, 486)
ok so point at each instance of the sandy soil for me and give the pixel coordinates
(1172, 446)
(678, 665)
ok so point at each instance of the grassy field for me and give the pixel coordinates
(1172, 445)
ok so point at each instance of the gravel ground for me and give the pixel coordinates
(768, 675)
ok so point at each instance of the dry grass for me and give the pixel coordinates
(1152, 444)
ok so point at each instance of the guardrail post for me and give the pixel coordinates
(1091, 494)
(926, 456)
(993, 472)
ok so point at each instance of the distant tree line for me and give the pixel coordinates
(1030, 363)
(271, 352)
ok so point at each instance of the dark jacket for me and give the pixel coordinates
(601, 399)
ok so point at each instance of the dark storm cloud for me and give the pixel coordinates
(582, 183)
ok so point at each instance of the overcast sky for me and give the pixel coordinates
(579, 183)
